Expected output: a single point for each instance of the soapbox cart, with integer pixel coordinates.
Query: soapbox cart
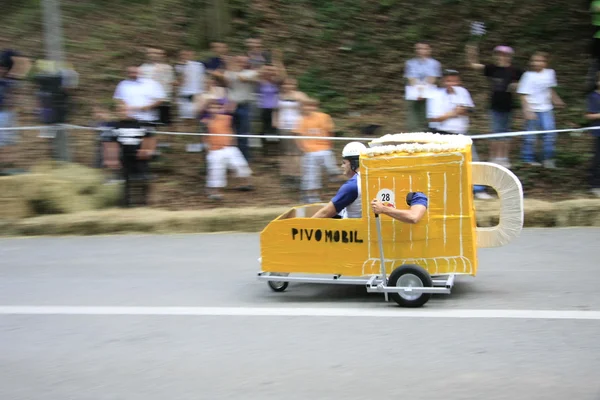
(407, 262)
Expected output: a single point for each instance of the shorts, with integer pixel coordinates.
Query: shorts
(311, 166)
(9, 136)
(219, 161)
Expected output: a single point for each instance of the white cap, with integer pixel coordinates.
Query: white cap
(353, 149)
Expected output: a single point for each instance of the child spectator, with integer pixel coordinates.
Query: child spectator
(222, 151)
(137, 144)
(317, 152)
(538, 96)
(593, 114)
(503, 77)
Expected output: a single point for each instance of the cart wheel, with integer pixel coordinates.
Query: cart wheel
(278, 286)
(410, 276)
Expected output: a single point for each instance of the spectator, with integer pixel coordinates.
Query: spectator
(190, 82)
(241, 81)
(268, 90)
(130, 148)
(422, 73)
(317, 152)
(504, 78)
(13, 67)
(222, 152)
(593, 114)
(536, 88)
(216, 62)
(141, 97)
(157, 69)
(449, 107)
(257, 57)
(286, 119)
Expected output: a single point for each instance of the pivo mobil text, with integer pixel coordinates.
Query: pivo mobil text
(326, 236)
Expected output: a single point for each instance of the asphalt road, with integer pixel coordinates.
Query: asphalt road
(159, 357)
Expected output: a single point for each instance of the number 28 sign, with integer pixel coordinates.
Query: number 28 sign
(386, 196)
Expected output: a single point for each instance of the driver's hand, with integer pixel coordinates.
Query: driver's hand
(377, 206)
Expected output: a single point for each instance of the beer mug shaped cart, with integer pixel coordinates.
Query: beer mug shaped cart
(408, 262)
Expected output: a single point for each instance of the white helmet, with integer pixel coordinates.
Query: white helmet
(353, 149)
(352, 153)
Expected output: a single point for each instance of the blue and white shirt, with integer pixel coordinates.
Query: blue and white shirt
(347, 201)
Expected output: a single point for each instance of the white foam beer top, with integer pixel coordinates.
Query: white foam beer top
(417, 142)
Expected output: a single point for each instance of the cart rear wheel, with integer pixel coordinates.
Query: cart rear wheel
(278, 286)
(410, 276)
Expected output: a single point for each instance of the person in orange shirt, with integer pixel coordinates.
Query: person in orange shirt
(317, 152)
(222, 152)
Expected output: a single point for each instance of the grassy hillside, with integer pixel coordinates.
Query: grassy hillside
(348, 53)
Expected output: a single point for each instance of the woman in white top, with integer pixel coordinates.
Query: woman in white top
(538, 97)
(286, 118)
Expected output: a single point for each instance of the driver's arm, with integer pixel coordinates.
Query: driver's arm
(411, 216)
(345, 196)
(328, 211)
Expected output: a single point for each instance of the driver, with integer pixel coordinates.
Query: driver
(347, 201)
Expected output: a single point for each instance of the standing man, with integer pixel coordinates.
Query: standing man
(449, 108)
(347, 202)
(504, 78)
(130, 146)
(242, 82)
(159, 71)
(140, 97)
(422, 73)
(191, 84)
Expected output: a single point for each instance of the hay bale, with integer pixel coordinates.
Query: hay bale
(108, 195)
(579, 212)
(53, 196)
(86, 180)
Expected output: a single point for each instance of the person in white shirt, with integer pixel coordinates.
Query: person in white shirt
(140, 96)
(191, 83)
(422, 73)
(157, 69)
(449, 109)
(538, 97)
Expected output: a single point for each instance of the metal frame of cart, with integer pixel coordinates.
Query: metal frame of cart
(412, 284)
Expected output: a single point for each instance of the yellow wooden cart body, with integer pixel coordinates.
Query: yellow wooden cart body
(444, 242)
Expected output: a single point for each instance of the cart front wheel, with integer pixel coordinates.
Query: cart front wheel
(410, 276)
(278, 286)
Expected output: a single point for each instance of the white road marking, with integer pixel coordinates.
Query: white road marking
(395, 312)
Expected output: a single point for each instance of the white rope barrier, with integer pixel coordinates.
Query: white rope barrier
(473, 136)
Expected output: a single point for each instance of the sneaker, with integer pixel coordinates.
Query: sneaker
(483, 196)
(550, 164)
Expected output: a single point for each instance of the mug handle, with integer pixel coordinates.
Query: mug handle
(510, 191)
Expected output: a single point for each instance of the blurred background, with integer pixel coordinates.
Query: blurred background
(64, 59)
